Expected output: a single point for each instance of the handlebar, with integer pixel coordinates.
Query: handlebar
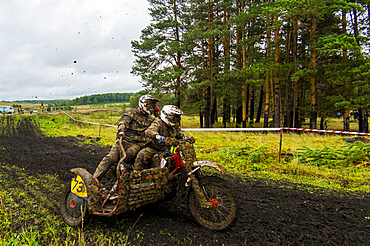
(173, 141)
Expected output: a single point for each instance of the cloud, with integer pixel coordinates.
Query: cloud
(64, 49)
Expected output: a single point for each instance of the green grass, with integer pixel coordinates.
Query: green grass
(253, 154)
(257, 155)
(29, 214)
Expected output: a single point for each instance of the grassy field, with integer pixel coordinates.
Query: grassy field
(320, 159)
(324, 161)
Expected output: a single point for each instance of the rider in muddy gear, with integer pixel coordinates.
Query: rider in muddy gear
(131, 127)
(167, 126)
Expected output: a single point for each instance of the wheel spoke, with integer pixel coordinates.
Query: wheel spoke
(224, 204)
(223, 211)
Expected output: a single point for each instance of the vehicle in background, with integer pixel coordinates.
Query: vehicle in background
(8, 109)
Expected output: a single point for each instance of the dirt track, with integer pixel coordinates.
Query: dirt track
(268, 213)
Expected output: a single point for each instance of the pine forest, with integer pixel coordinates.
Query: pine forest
(281, 62)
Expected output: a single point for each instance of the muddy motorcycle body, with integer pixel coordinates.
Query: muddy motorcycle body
(210, 201)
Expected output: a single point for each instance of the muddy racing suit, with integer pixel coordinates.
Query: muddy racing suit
(158, 127)
(133, 123)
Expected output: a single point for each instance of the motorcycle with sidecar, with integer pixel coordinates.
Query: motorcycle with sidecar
(180, 174)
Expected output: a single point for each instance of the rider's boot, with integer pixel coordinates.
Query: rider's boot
(139, 165)
(123, 168)
(110, 173)
(103, 167)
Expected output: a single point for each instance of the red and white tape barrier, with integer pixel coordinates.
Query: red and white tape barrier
(230, 129)
(326, 131)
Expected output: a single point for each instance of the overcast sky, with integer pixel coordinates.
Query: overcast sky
(63, 49)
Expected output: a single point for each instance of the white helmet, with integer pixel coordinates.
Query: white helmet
(171, 114)
(147, 103)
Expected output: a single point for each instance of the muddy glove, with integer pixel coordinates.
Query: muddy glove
(189, 139)
(161, 139)
(156, 111)
(120, 134)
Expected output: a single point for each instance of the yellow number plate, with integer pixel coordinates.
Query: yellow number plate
(78, 187)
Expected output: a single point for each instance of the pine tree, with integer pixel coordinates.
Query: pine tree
(159, 53)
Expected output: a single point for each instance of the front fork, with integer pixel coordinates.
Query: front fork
(200, 193)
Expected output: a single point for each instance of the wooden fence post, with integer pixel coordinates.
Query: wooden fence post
(281, 140)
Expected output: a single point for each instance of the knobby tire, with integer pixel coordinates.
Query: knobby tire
(68, 217)
(223, 214)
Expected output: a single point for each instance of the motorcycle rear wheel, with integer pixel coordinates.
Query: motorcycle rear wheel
(223, 213)
(73, 208)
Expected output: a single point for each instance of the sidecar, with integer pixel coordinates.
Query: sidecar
(84, 196)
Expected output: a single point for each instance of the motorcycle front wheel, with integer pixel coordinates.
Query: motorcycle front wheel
(222, 213)
(72, 207)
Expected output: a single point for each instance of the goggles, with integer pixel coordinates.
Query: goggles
(176, 118)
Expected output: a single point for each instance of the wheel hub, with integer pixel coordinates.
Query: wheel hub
(214, 203)
(74, 204)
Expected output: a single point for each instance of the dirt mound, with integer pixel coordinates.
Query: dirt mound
(19, 126)
(23, 144)
(269, 213)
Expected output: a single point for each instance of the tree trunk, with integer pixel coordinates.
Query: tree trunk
(355, 25)
(214, 118)
(239, 115)
(226, 96)
(238, 65)
(346, 83)
(209, 72)
(226, 110)
(201, 117)
(207, 109)
(363, 116)
(244, 86)
(365, 122)
(251, 106)
(178, 60)
(288, 114)
(268, 54)
(206, 92)
(277, 95)
(360, 120)
(313, 76)
(260, 103)
(295, 82)
(323, 120)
